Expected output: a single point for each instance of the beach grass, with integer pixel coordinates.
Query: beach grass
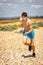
(10, 25)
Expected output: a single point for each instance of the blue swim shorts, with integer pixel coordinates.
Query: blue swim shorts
(30, 35)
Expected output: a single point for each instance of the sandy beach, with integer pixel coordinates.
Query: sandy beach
(13, 52)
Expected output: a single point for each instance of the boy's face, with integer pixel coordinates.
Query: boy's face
(24, 18)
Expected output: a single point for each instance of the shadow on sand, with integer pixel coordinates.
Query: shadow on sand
(26, 56)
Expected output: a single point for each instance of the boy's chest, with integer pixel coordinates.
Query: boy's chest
(25, 24)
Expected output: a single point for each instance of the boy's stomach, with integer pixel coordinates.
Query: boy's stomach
(26, 29)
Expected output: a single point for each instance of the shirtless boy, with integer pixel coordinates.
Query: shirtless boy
(28, 32)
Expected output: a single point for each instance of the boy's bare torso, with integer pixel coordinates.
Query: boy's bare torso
(26, 24)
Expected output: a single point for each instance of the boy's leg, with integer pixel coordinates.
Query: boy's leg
(25, 41)
(33, 47)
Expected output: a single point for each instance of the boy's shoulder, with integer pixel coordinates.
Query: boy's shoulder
(29, 21)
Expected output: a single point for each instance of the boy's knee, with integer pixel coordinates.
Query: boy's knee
(32, 44)
(24, 43)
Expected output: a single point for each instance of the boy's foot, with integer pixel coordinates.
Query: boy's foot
(34, 55)
(30, 48)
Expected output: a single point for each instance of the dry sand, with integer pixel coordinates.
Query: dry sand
(13, 52)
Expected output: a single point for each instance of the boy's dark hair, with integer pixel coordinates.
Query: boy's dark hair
(24, 14)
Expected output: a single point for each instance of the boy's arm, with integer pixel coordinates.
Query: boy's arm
(30, 27)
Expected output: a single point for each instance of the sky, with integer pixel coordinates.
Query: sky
(12, 8)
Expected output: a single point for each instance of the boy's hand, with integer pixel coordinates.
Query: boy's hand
(26, 32)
